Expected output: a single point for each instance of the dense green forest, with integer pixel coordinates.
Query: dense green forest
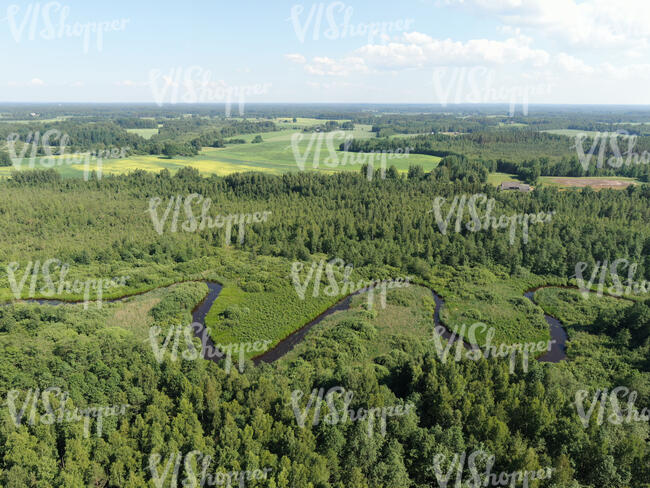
(363, 222)
(243, 416)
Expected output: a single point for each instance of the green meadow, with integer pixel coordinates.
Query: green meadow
(274, 155)
(570, 132)
(145, 133)
(407, 317)
(494, 298)
(497, 178)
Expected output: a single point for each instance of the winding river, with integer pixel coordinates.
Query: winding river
(556, 354)
(558, 334)
(210, 352)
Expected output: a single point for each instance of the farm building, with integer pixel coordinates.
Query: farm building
(513, 185)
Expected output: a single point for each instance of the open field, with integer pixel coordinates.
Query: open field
(570, 132)
(35, 119)
(232, 160)
(497, 178)
(145, 133)
(512, 124)
(302, 121)
(574, 132)
(596, 182)
(275, 155)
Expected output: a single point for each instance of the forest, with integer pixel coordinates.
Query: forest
(241, 418)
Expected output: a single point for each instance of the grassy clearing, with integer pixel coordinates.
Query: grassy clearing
(262, 303)
(408, 317)
(247, 316)
(512, 124)
(596, 182)
(571, 132)
(36, 119)
(572, 309)
(145, 133)
(408, 313)
(496, 299)
(497, 178)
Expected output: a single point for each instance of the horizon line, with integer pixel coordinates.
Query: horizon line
(437, 104)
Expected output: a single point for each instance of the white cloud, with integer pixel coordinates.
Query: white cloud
(31, 83)
(416, 50)
(131, 83)
(626, 72)
(513, 61)
(589, 24)
(296, 58)
(328, 86)
(493, 5)
(324, 66)
(573, 65)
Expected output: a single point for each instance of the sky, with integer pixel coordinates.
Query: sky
(408, 51)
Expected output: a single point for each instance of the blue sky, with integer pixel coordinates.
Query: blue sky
(430, 51)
